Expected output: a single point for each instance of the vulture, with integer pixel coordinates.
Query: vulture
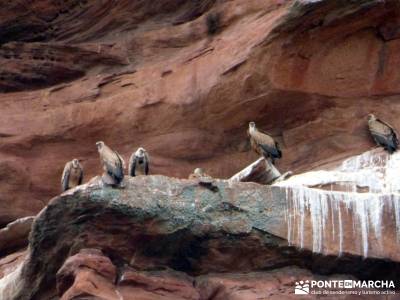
(384, 135)
(112, 162)
(203, 179)
(72, 175)
(198, 173)
(263, 143)
(139, 163)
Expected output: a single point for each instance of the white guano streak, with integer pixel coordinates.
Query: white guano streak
(329, 213)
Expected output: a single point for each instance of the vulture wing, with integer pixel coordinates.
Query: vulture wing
(113, 163)
(80, 176)
(389, 127)
(267, 144)
(384, 135)
(121, 159)
(380, 128)
(146, 163)
(132, 165)
(65, 177)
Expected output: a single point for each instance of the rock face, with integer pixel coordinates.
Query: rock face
(182, 79)
(15, 235)
(356, 204)
(165, 238)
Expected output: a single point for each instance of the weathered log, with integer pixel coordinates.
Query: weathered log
(261, 171)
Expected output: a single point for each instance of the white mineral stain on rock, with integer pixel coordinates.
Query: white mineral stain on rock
(362, 211)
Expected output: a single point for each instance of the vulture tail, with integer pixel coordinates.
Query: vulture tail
(392, 144)
(273, 152)
(118, 178)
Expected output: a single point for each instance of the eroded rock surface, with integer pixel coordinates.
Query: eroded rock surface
(15, 235)
(356, 204)
(157, 235)
(159, 74)
(138, 73)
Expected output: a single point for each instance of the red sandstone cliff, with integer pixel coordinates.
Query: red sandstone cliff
(140, 73)
(183, 79)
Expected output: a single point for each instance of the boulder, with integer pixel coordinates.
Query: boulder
(88, 236)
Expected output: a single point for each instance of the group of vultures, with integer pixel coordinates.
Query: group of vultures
(261, 142)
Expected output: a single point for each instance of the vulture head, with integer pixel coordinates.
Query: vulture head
(75, 163)
(100, 145)
(371, 117)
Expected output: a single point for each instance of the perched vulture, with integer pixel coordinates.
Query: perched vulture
(383, 134)
(263, 144)
(113, 164)
(72, 175)
(198, 173)
(203, 179)
(139, 163)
